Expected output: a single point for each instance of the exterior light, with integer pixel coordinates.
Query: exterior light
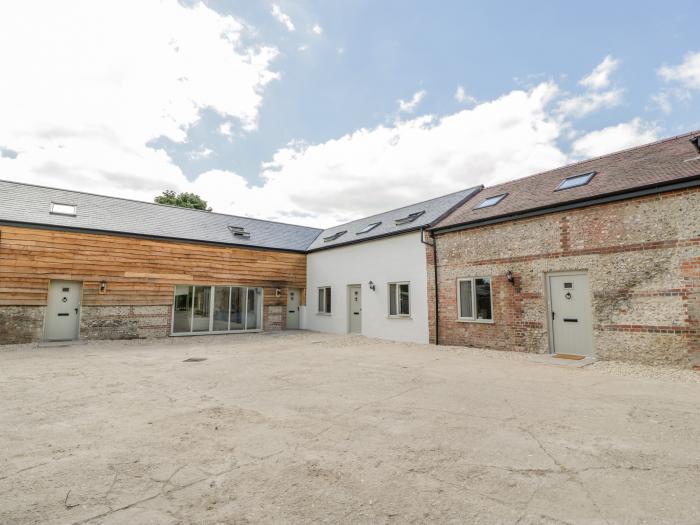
(371, 286)
(103, 286)
(509, 276)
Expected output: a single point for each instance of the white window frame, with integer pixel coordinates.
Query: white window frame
(327, 308)
(60, 208)
(398, 300)
(472, 280)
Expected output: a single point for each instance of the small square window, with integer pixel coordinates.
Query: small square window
(399, 300)
(64, 209)
(474, 299)
(368, 228)
(491, 201)
(575, 181)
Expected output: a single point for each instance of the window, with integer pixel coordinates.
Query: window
(324, 300)
(491, 201)
(334, 236)
(216, 309)
(399, 300)
(474, 299)
(368, 228)
(239, 231)
(575, 181)
(409, 218)
(64, 209)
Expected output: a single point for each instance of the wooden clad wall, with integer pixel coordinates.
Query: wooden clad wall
(138, 271)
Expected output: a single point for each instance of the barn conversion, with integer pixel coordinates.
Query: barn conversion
(597, 258)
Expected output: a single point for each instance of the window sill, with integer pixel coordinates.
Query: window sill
(477, 321)
(324, 314)
(399, 317)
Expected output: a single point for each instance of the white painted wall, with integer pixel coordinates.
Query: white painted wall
(393, 259)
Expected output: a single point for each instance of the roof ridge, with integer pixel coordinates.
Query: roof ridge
(157, 204)
(591, 159)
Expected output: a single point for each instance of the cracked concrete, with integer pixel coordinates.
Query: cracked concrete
(302, 427)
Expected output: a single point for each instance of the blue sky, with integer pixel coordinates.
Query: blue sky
(311, 129)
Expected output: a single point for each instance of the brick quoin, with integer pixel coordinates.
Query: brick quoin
(642, 257)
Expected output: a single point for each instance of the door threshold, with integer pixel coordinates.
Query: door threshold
(575, 361)
(573, 357)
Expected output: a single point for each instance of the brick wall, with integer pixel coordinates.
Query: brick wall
(21, 324)
(642, 257)
(124, 322)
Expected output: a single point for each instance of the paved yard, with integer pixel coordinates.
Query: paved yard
(302, 427)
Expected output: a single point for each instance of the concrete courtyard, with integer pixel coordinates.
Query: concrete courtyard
(305, 427)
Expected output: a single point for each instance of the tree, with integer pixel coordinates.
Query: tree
(183, 200)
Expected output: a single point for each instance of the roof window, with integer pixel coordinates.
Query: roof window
(409, 218)
(369, 227)
(696, 142)
(575, 181)
(70, 210)
(239, 231)
(334, 236)
(491, 201)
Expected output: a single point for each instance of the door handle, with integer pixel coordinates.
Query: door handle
(552, 316)
(76, 311)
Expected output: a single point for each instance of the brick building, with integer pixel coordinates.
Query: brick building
(597, 258)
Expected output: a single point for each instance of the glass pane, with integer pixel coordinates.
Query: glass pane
(328, 300)
(392, 299)
(221, 296)
(253, 311)
(404, 307)
(321, 296)
(201, 307)
(483, 298)
(465, 299)
(237, 308)
(182, 316)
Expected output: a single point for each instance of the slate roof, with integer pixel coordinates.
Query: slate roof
(29, 204)
(664, 162)
(434, 210)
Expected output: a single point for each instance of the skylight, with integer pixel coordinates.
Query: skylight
(369, 227)
(239, 231)
(491, 201)
(409, 218)
(575, 181)
(334, 236)
(64, 209)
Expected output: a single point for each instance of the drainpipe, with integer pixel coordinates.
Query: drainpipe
(435, 275)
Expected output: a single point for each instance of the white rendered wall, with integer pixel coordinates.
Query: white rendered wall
(393, 259)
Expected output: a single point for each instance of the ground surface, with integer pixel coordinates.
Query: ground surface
(303, 427)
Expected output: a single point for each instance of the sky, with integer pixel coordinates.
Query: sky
(318, 112)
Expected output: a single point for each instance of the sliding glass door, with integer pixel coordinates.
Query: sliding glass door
(216, 309)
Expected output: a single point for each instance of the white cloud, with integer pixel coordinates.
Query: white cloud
(376, 169)
(662, 101)
(582, 105)
(614, 138)
(226, 129)
(201, 153)
(599, 78)
(282, 17)
(461, 96)
(85, 99)
(409, 106)
(687, 73)
(317, 29)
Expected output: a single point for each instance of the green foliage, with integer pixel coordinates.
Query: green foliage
(184, 200)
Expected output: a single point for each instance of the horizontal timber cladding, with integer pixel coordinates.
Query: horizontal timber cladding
(139, 273)
(642, 258)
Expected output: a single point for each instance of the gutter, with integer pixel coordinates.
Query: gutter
(689, 182)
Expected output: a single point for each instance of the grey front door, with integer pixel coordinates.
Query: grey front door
(293, 308)
(570, 313)
(63, 311)
(355, 310)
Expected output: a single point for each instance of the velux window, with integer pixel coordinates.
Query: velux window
(334, 236)
(575, 181)
(474, 299)
(491, 201)
(369, 228)
(324, 300)
(64, 209)
(399, 300)
(409, 218)
(239, 231)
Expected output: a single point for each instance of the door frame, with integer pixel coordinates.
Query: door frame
(348, 303)
(80, 308)
(548, 313)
